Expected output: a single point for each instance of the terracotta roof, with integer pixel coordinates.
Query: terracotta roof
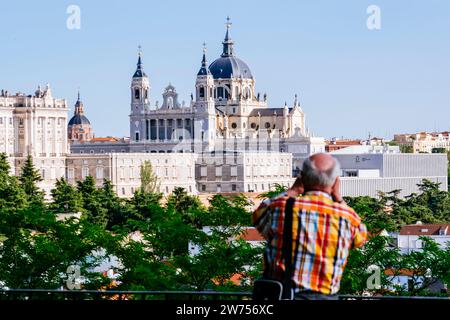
(402, 272)
(112, 139)
(251, 234)
(425, 229)
(344, 142)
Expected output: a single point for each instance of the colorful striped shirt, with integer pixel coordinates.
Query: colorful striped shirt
(323, 232)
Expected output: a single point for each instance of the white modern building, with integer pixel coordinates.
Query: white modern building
(365, 174)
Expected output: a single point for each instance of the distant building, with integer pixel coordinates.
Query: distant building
(35, 125)
(364, 174)
(79, 128)
(424, 142)
(243, 171)
(123, 170)
(360, 149)
(409, 236)
(337, 144)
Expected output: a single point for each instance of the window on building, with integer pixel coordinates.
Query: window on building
(219, 188)
(350, 173)
(137, 136)
(203, 187)
(99, 173)
(71, 173)
(123, 191)
(220, 93)
(84, 172)
(233, 187)
(136, 94)
(201, 92)
(234, 125)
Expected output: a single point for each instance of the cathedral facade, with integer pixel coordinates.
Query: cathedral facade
(226, 114)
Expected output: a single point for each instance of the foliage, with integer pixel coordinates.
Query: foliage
(182, 244)
(66, 198)
(29, 178)
(275, 190)
(93, 209)
(149, 180)
(12, 196)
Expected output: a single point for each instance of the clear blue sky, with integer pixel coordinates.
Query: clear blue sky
(350, 80)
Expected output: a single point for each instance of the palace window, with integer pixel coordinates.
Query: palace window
(201, 92)
(136, 93)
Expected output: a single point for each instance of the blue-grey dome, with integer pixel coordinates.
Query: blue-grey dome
(227, 67)
(78, 119)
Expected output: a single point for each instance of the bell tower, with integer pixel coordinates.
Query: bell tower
(205, 114)
(140, 100)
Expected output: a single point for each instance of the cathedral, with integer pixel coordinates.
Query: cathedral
(225, 114)
(225, 119)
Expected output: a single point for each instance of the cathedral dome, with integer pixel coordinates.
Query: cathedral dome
(227, 67)
(78, 119)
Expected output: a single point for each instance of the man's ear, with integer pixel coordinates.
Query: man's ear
(336, 184)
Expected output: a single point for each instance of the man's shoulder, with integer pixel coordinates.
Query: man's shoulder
(347, 212)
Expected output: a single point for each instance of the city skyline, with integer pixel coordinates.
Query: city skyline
(369, 81)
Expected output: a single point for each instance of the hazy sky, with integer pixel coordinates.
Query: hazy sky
(350, 80)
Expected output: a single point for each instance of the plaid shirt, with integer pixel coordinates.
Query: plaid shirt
(323, 233)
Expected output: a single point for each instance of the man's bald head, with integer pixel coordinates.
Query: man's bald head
(320, 171)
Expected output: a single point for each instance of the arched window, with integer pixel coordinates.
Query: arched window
(137, 136)
(201, 92)
(220, 93)
(146, 94)
(136, 93)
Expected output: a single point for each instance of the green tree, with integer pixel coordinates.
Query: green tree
(375, 252)
(149, 180)
(187, 205)
(66, 198)
(406, 149)
(29, 178)
(12, 196)
(94, 211)
(37, 250)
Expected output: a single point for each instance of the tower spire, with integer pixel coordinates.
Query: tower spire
(204, 69)
(139, 69)
(79, 108)
(227, 42)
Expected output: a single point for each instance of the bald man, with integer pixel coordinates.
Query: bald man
(324, 230)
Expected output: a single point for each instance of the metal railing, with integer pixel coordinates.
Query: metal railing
(45, 294)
